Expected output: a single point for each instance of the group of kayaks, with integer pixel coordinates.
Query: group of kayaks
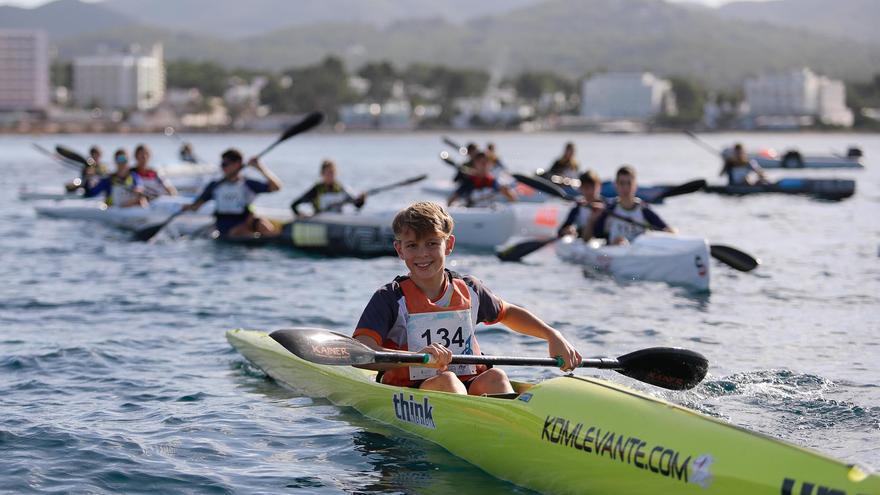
(563, 435)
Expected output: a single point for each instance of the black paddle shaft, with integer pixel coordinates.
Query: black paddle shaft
(667, 367)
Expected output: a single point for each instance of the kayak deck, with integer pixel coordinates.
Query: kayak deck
(571, 435)
(655, 256)
(827, 189)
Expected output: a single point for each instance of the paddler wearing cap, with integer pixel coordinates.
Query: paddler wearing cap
(233, 195)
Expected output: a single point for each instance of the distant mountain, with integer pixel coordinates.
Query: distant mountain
(569, 36)
(225, 18)
(853, 19)
(63, 18)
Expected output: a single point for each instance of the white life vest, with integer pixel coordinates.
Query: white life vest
(331, 201)
(616, 227)
(233, 198)
(121, 191)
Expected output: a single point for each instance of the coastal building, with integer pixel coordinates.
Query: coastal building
(635, 96)
(498, 106)
(797, 98)
(130, 81)
(24, 70)
(391, 115)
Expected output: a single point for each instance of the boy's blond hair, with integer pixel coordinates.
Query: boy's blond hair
(424, 218)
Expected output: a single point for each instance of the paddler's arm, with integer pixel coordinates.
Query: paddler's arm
(169, 187)
(441, 356)
(274, 182)
(522, 321)
(509, 194)
(308, 197)
(596, 222)
(655, 221)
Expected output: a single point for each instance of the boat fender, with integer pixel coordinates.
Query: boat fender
(792, 159)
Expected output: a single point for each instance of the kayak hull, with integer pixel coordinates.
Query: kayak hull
(807, 161)
(526, 194)
(571, 435)
(827, 189)
(655, 256)
(331, 234)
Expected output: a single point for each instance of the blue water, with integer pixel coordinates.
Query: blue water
(116, 376)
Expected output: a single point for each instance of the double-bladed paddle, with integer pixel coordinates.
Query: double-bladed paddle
(462, 150)
(310, 121)
(66, 162)
(667, 367)
(730, 256)
(73, 156)
(379, 189)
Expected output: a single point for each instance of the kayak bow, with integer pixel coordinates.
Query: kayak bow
(572, 434)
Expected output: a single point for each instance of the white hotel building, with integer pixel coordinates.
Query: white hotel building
(130, 81)
(637, 96)
(800, 95)
(24, 70)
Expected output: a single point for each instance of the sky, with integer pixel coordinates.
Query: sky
(34, 3)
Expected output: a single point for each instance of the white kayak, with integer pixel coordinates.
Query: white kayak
(186, 169)
(187, 185)
(135, 218)
(524, 193)
(655, 256)
(488, 227)
(132, 218)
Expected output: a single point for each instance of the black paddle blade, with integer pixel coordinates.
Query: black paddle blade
(734, 258)
(147, 233)
(72, 155)
(517, 252)
(311, 120)
(541, 184)
(667, 367)
(686, 188)
(324, 347)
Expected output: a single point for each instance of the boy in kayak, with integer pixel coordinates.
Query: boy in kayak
(432, 310)
(741, 170)
(590, 206)
(233, 195)
(91, 174)
(123, 189)
(566, 165)
(625, 217)
(328, 194)
(480, 187)
(154, 184)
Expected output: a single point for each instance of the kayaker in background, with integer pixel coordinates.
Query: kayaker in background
(328, 194)
(435, 311)
(494, 159)
(740, 169)
(186, 153)
(566, 165)
(123, 189)
(154, 184)
(591, 205)
(233, 195)
(480, 187)
(91, 174)
(625, 217)
(467, 167)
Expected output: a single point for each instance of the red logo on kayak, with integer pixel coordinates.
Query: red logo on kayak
(701, 265)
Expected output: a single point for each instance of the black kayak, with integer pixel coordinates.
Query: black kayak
(828, 189)
(331, 234)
